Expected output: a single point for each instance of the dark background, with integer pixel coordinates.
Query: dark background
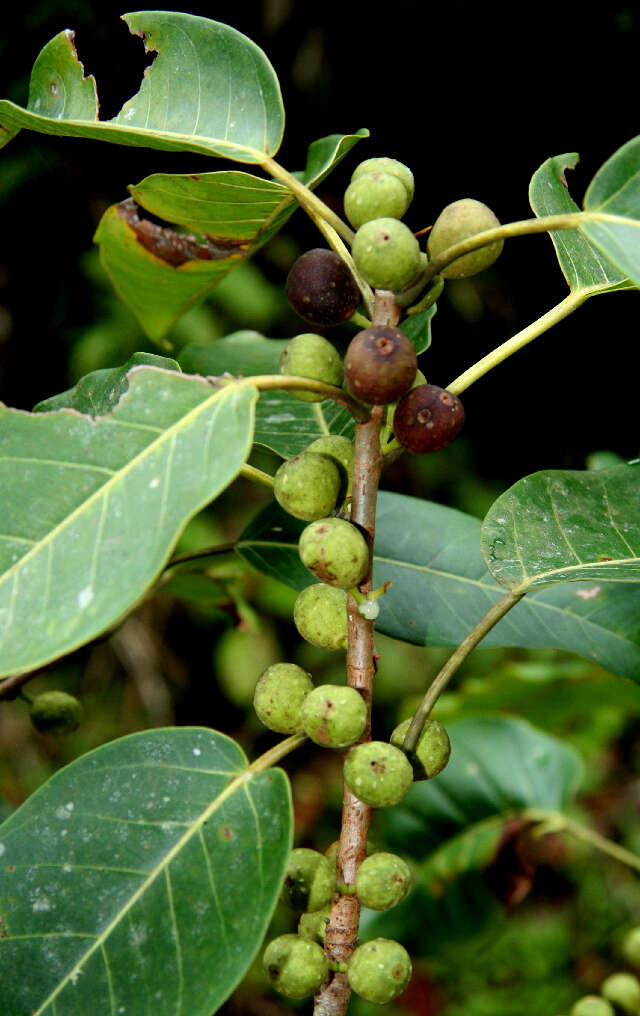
(474, 97)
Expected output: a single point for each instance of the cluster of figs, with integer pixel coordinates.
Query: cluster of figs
(380, 368)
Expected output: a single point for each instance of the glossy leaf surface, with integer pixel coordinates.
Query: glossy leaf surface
(562, 525)
(283, 423)
(418, 328)
(209, 90)
(584, 267)
(613, 196)
(441, 587)
(92, 506)
(141, 878)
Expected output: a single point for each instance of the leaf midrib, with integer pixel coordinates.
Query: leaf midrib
(101, 938)
(208, 145)
(164, 435)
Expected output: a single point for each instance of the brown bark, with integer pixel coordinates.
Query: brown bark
(342, 930)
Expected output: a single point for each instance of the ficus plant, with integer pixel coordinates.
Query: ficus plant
(144, 875)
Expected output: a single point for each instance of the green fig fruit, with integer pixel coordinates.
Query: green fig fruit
(386, 254)
(592, 1005)
(379, 970)
(295, 966)
(279, 694)
(378, 773)
(309, 881)
(623, 990)
(55, 712)
(320, 615)
(432, 751)
(383, 880)
(456, 222)
(307, 486)
(383, 164)
(631, 947)
(311, 356)
(335, 551)
(334, 716)
(373, 196)
(340, 450)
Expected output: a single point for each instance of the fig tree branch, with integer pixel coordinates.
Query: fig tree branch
(524, 227)
(342, 930)
(307, 199)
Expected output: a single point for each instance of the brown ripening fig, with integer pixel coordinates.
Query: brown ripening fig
(380, 365)
(427, 419)
(321, 289)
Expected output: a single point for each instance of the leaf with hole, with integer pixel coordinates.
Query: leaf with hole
(142, 877)
(209, 90)
(92, 506)
(565, 525)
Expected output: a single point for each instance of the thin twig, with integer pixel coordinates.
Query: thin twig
(524, 227)
(516, 342)
(267, 382)
(10, 686)
(441, 680)
(342, 930)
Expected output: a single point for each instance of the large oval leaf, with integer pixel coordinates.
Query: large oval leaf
(283, 423)
(441, 587)
(583, 265)
(141, 878)
(209, 90)
(92, 507)
(562, 525)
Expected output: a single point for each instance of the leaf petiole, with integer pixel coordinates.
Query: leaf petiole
(516, 342)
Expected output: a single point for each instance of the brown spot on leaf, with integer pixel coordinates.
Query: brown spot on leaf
(226, 833)
(176, 248)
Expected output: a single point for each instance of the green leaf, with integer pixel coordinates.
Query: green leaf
(229, 204)
(582, 264)
(92, 507)
(471, 850)
(324, 155)
(161, 272)
(141, 878)
(614, 192)
(209, 90)
(565, 525)
(161, 281)
(100, 391)
(418, 328)
(499, 766)
(441, 587)
(283, 423)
